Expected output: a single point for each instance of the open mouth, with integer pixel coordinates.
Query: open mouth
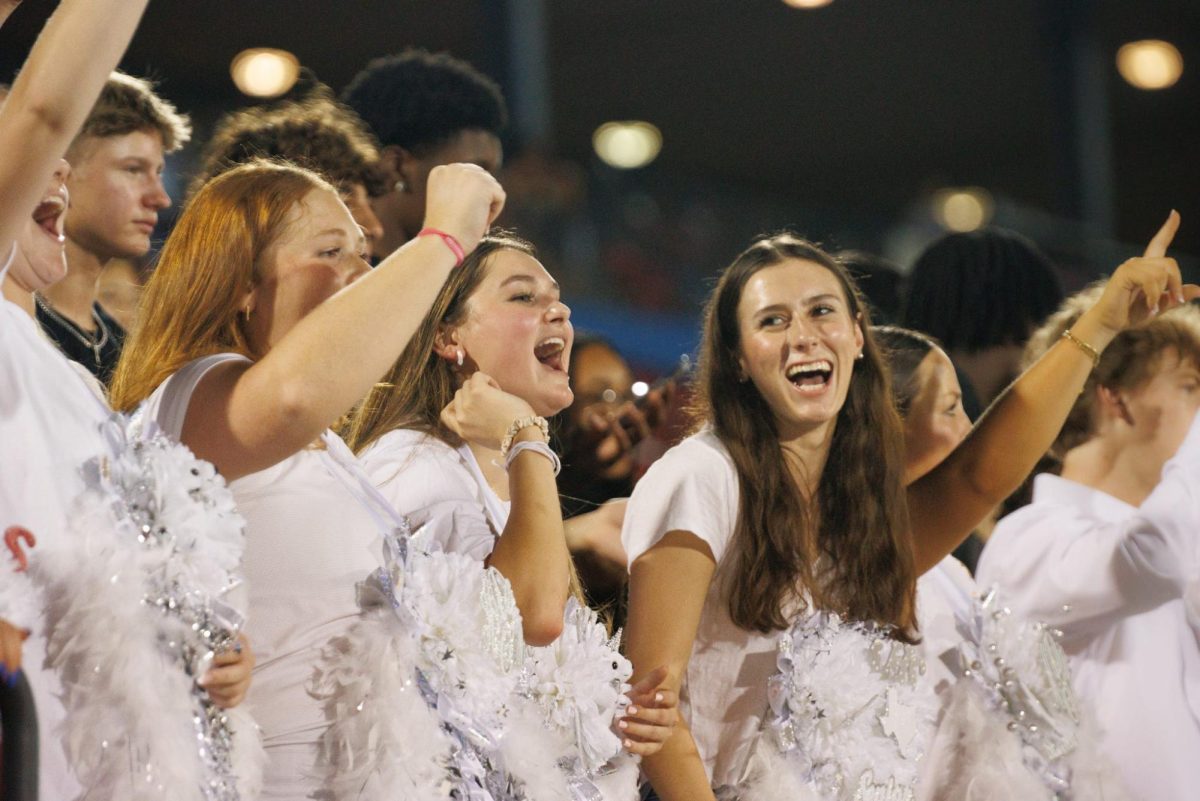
(812, 377)
(550, 352)
(50, 215)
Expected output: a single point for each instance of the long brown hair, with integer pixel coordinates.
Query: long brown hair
(846, 550)
(190, 307)
(421, 383)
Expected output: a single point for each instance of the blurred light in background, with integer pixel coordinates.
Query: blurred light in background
(639, 389)
(1150, 64)
(627, 145)
(807, 3)
(962, 210)
(264, 71)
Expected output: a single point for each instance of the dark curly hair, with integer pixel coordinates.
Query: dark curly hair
(316, 132)
(418, 100)
(981, 289)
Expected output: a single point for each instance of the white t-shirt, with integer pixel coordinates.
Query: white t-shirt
(308, 543)
(694, 487)
(49, 426)
(1114, 578)
(423, 477)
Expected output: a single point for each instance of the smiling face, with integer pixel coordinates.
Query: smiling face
(319, 253)
(41, 258)
(799, 339)
(116, 194)
(936, 422)
(518, 331)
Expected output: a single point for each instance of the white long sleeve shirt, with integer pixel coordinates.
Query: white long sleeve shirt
(1119, 581)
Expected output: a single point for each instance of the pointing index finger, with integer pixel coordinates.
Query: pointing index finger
(1162, 240)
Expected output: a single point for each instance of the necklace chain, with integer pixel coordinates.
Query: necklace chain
(93, 342)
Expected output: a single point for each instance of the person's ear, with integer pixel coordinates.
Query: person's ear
(247, 303)
(402, 168)
(446, 345)
(1111, 403)
(390, 168)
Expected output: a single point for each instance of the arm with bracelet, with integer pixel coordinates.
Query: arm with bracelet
(504, 434)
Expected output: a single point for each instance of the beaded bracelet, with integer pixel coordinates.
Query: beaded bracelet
(1083, 346)
(537, 447)
(519, 424)
(449, 239)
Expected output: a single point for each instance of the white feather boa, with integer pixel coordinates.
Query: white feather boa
(433, 693)
(851, 716)
(133, 615)
(18, 597)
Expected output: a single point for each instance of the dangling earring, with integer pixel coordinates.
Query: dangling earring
(460, 358)
(400, 186)
(246, 314)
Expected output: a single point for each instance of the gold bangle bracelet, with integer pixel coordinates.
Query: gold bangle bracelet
(1083, 346)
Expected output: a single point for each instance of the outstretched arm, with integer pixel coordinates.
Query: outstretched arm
(1024, 421)
(59, 83)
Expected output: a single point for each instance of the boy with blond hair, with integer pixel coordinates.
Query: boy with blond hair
(117, 192)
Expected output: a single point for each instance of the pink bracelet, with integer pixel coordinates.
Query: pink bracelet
(451, 242)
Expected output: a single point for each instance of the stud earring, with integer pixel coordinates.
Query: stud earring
(859, 356)
(460, 358)
(400, 186)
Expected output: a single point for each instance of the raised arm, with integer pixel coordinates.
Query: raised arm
(59, 83)
(532, 550)
(247, 417)
(1022, 424)
(667, 588)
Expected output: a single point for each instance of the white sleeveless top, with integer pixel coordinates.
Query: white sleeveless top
(308, 542)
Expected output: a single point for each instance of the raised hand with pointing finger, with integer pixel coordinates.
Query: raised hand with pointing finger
(1140, 288)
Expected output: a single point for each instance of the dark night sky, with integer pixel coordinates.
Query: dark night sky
(858, 106)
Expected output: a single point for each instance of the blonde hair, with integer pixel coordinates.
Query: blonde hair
(190, 306)
(1129, 361)
(127, 104)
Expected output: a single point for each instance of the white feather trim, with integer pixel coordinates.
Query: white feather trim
(619, 779)
(18, 597)
(249, 756)
(133, 616)
(770, 776)
(975, 757)
(385, 743)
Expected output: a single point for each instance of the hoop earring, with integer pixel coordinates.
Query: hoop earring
(460, 358)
